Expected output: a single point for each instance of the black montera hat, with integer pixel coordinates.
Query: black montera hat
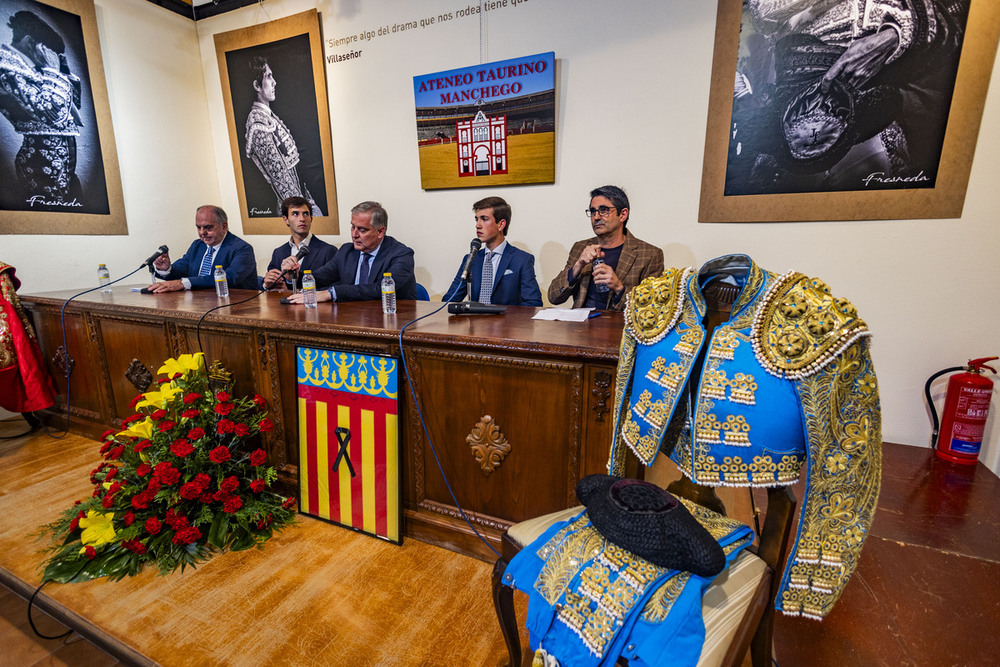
(646, 520)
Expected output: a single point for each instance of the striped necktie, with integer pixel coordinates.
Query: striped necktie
(486, 287)
(366, 260)
(206, 264)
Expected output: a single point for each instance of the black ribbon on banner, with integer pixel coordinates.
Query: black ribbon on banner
(343, 438)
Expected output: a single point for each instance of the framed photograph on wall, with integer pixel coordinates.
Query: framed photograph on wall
(58, 161)
(819, 111)
(278, 116)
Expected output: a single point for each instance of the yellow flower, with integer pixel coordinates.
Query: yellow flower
(143, 429)
(182, 364)
(97, 528)
(159, 399)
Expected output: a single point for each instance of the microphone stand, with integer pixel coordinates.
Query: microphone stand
(470, 307)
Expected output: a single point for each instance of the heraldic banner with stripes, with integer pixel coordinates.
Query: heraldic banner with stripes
(349, 458)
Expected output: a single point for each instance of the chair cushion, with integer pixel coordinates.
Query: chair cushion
(723, 606)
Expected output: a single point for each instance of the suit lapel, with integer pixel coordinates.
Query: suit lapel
(505, 260)
(626, 259)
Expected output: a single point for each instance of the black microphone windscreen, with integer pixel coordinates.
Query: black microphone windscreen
(475, 245)
(303, 251)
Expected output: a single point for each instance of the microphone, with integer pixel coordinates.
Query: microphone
(162, 250)
(303, 251)
(473, 249)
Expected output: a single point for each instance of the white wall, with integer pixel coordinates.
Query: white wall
(632, 95)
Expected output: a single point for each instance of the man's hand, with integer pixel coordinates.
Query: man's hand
(289, 264)
(586, 257)
(605, 275)
(166, 286)
(273, 276)
(862, 60)
(162, 263)
(321, 296)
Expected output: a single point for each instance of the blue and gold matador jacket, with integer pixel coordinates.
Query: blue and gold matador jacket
(787, 382)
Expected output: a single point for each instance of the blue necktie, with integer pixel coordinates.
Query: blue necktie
(366, 260)
(206, 264)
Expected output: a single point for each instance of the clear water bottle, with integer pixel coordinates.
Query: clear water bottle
(308, 289)
(221, 284)
(388, 294)
(104, 278)
(600, 289)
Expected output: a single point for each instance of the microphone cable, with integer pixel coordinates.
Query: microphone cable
(423, 424)
(65, 346)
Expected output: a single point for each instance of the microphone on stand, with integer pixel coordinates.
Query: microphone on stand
(473, 249)
(162, 250)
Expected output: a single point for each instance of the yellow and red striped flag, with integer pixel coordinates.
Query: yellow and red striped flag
(348, 440)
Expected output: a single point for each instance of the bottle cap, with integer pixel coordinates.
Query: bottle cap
(218, 266)
(307, 271)
(387, 275)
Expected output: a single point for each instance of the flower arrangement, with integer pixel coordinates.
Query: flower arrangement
(177, 483)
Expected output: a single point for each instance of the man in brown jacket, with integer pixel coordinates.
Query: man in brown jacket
(624, 260)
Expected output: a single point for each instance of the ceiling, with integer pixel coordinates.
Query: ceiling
(199, 9)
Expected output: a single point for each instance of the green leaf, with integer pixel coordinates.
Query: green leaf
(217, 533)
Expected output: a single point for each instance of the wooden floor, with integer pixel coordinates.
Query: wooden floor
(926, 592)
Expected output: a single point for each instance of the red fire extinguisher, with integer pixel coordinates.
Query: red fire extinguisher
(966, 408)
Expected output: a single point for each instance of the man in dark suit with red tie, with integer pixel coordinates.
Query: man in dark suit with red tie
(215, 246)
(296, 212)
(355, 272)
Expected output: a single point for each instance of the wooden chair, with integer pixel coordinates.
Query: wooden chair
(738, 608)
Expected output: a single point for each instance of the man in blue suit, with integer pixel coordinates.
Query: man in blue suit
(297, 214)
(509, 277)
(215, 246)
(355, 272)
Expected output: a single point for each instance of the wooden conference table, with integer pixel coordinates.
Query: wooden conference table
(540, 390)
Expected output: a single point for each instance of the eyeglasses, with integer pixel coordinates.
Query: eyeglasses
(602, 211)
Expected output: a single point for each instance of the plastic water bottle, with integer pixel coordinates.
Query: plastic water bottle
(221, 284)
(104, 278)
(601, 289)
(308, 289)
(388, 294)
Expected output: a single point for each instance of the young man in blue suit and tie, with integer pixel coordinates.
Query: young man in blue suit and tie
(355, 272)
(215, 245)
(501, 273)
(296, 212)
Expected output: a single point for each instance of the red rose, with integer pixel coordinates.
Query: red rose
(97, 492)
(74, 524)
(128, 420)
(196, 433)
(112, 471)
(257, 485)
(135, 401)
(181, 447)
(222, 396)
(190, 491)
(220, 496)
(141, 445)
(166, 473)
(242, 429)
(153, 525)
(166, 425)
(258, 457)
(206, 498)
(104, 435)
(114, 488)
(158, 415)
(229, 484)
(141, 500)
(259, 401)
(225, 426)
(108, 501)
(187, 536)
(191, 414)
(129, 518)
(135, 546)
(91, 552)
(163, 381)
(232, 504)
(265, 425)
(176, 375)
(115, 453)
(107, 445)
(176, 521)
(143, 469)
(191, 397)
(154, 484)
(224, 408)
(288, 503)
(202, 480)
(219, 455)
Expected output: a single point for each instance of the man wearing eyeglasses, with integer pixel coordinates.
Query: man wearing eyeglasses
(624, 260)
